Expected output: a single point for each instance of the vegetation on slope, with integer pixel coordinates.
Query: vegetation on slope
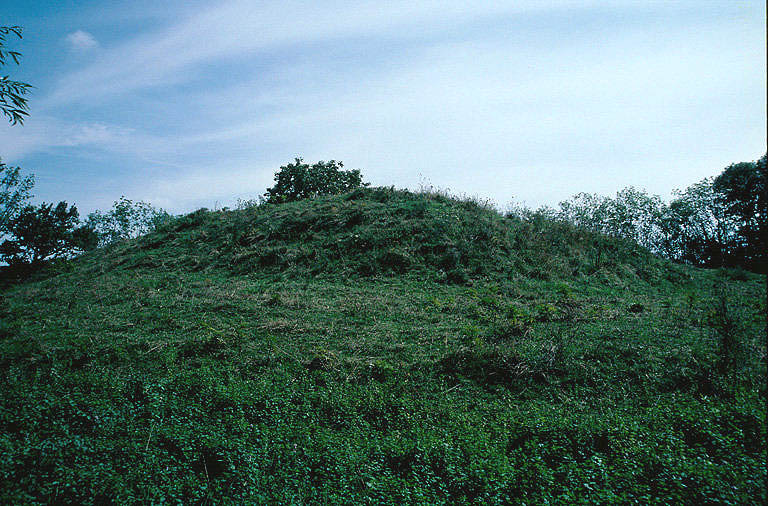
(383, 231)
(382, 347)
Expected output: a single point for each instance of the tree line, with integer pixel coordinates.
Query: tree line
(33, 234)
(720, 221)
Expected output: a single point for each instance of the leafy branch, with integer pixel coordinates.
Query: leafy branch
(13, 101)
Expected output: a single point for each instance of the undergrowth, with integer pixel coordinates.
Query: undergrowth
(381, 347)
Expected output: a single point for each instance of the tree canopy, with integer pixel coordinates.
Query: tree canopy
(126, 219)
(43, 232)
(741, 190)
(299, 180)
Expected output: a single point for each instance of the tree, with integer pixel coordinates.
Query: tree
(13, 102)
(741, 191)
(44, 232)
(14, 189)
(14, 192)
(696, 228)
(299, 180)
(633, 214)
(586, 210)
(125, 220)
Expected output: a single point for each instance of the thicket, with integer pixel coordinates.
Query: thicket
(718, 222)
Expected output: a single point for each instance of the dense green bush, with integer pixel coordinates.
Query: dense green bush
(299, 180)
(43, 232)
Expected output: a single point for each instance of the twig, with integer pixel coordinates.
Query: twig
(452, 388)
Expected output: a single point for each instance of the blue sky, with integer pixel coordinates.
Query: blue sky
(190, 104)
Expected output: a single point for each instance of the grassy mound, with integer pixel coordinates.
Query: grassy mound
(382, 231)
(381, 347)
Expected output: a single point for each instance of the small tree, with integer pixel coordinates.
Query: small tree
(741, 191)
(42, 233)
(125, 220)
(14, 192)
(698, 227)
(633, 214)
(299, 180)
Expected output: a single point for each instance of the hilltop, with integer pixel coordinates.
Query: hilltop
(382, 346)
(384, 232)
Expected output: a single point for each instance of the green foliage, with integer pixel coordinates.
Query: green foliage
(715, 222)
(152, 385)
(698, 230)
(42, 232)
(385, 232)
(84, 238)
(14, 192)
(13, 102)
(14, 189)
(742, 193)
(632, 214)
(313, 352)
(299, 180)
(127, 219)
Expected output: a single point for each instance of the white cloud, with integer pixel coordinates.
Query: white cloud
(42, 133)
(81, 40)
(238, 28)
(553, 98)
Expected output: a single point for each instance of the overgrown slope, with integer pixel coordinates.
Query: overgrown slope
(382, 231)
(382, 347)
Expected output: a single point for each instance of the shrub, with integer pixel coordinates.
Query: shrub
(299, 180)
(726, 322)
(44, 232)
(125, 220)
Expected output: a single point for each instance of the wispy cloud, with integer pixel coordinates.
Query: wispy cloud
(239, 28)
(43, 133)
(81, 40)
(528, 99)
